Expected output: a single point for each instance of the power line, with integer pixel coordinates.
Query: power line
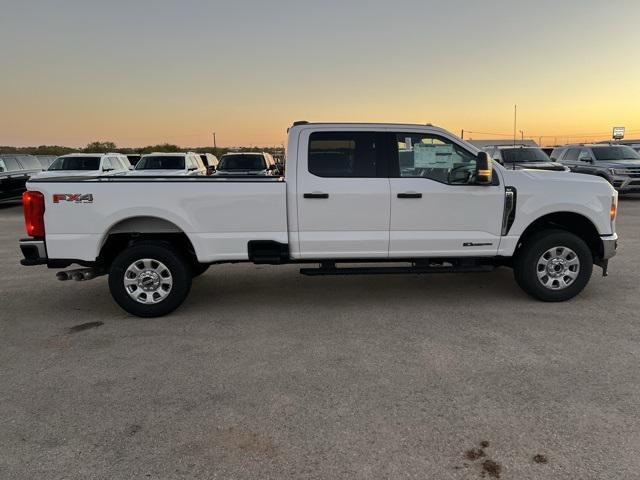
(569, 135)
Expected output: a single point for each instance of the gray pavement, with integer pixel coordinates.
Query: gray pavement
(266, 374)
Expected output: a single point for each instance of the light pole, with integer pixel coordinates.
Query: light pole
(515, 121)
(214, 140)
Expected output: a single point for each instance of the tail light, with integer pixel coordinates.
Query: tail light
(33, 206)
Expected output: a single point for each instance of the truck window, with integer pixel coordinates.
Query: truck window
(11, 164)
(342, 154)
(571, 154)
(430, 156)
(242, 161)
(3, 166)
(30, 163)
(75, 163)
(161, 162)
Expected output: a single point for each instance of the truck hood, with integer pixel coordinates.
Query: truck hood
(538, 166)
(547, 180)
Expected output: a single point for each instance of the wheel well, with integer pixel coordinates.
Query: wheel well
(572, 222)
(132, 230)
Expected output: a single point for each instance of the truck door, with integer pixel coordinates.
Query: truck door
(342, 195)
(436, 210)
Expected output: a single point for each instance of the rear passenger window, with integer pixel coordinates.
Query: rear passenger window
(572, 154)
(342, 154)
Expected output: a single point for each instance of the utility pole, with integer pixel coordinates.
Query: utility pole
(214, 141)
(515, 121)
(521, 136)
(462, 134)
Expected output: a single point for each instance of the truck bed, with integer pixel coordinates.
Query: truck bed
(218, 215)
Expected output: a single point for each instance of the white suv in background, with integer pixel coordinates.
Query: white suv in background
(87, 165)
(170, 164)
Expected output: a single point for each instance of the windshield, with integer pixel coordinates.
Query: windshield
(617, 152)
(242, 162)
(161, 162)
(75, 163)
(523, 155)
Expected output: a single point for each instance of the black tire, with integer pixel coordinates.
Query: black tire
(198, 269)
(525, 265)
(178, 267)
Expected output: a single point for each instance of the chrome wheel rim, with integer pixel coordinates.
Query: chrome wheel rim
(558, 268)
(148, 281)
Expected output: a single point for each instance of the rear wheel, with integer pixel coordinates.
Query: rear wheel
(553, 265)
(149, 279)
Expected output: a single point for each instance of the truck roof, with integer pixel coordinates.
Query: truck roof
(364, 124)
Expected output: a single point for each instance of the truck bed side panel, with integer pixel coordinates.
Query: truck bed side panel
(218, 217)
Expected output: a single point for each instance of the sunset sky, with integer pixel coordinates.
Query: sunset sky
(146, 72)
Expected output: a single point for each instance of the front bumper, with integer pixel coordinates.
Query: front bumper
(609, 246)
(34, 251)
(626, 184)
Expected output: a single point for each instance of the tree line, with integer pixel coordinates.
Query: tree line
(103, 147)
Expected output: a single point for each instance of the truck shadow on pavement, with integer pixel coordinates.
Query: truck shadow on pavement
(274, 289)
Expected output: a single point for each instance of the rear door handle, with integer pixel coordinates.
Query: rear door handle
(316, 195)
(410, 195)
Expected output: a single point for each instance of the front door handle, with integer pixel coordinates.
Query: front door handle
(410, 195)
(316, 195)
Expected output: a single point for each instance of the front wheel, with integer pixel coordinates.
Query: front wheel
(553, 265)
(149, 279)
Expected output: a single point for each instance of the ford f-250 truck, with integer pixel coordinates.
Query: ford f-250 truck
(386, 198)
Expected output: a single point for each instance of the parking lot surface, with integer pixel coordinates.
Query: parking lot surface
(264, 373)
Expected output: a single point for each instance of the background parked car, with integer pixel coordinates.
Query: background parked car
(87, 164)
(619, 164)
(15, 171)
(210, 162)
(170, 164)
(45, 160)
(261, 163)
(547, 150)
(133, 158)
(523, 157)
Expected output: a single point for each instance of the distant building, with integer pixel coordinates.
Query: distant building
(505, 142)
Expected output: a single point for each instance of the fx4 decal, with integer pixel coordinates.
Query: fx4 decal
(73, 197)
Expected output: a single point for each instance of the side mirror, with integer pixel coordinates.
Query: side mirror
(484, 169)
(272, 167)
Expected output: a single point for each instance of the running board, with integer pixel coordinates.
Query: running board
(396, 270)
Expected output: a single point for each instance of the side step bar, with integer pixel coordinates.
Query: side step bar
(331, 269)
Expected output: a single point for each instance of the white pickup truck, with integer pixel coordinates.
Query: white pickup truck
(382, 198)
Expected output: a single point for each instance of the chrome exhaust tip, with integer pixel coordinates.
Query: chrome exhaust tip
(62, 276)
